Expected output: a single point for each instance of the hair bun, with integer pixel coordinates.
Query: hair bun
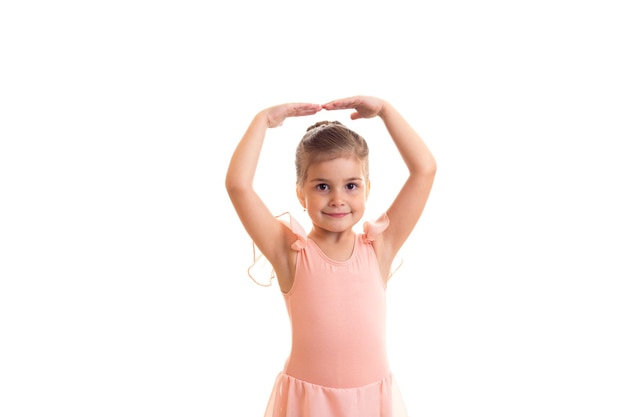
(323, 123)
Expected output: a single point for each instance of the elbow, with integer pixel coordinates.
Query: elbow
(235, 186)
(231, 183)
(426, 169)
(430, 165)
(429, 168)
(431, 171)
(232, 180)
(231, 186)
(228, 183)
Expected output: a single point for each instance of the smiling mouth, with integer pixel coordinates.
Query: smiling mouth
(337, 215)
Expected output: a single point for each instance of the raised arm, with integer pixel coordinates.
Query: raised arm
(408, 206)
(266, 232)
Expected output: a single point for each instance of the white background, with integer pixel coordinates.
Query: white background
(123, 285)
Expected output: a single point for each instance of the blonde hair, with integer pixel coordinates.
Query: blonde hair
(326, 140)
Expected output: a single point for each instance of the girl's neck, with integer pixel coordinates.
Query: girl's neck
(336, 245)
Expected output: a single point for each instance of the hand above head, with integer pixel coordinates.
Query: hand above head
(276, 115)
(365, 106)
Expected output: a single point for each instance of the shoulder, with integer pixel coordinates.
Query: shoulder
(296, 239)
(294, 230)
(373, 229)
(374, 234)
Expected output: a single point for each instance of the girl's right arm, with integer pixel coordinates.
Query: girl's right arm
(273, 239)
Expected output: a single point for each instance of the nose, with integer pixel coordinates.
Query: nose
(336, 199)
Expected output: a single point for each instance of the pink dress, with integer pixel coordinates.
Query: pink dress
(338, 362)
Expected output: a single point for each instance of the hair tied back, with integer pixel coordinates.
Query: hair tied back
(323, 123)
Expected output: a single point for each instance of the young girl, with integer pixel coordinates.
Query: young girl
(333, 279)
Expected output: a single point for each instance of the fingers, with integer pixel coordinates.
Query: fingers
(276, 115)
(303, 109)
(364, 107)
(341, 104)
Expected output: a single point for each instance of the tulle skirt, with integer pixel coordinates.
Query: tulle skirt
(292, 397)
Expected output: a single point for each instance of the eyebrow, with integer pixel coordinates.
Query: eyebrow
(353, 179)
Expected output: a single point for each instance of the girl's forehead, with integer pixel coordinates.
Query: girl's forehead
(336, 167)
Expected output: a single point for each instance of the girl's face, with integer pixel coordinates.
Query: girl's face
(334, 193)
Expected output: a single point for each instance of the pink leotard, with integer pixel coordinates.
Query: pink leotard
(338, 362)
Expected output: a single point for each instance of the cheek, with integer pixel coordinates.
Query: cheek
(360, 200)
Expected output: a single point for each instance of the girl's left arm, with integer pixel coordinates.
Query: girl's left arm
(409, 204)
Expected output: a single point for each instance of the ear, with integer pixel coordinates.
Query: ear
(300, 195)
(367, 189)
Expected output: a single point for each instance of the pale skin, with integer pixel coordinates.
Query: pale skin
(334, 192)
